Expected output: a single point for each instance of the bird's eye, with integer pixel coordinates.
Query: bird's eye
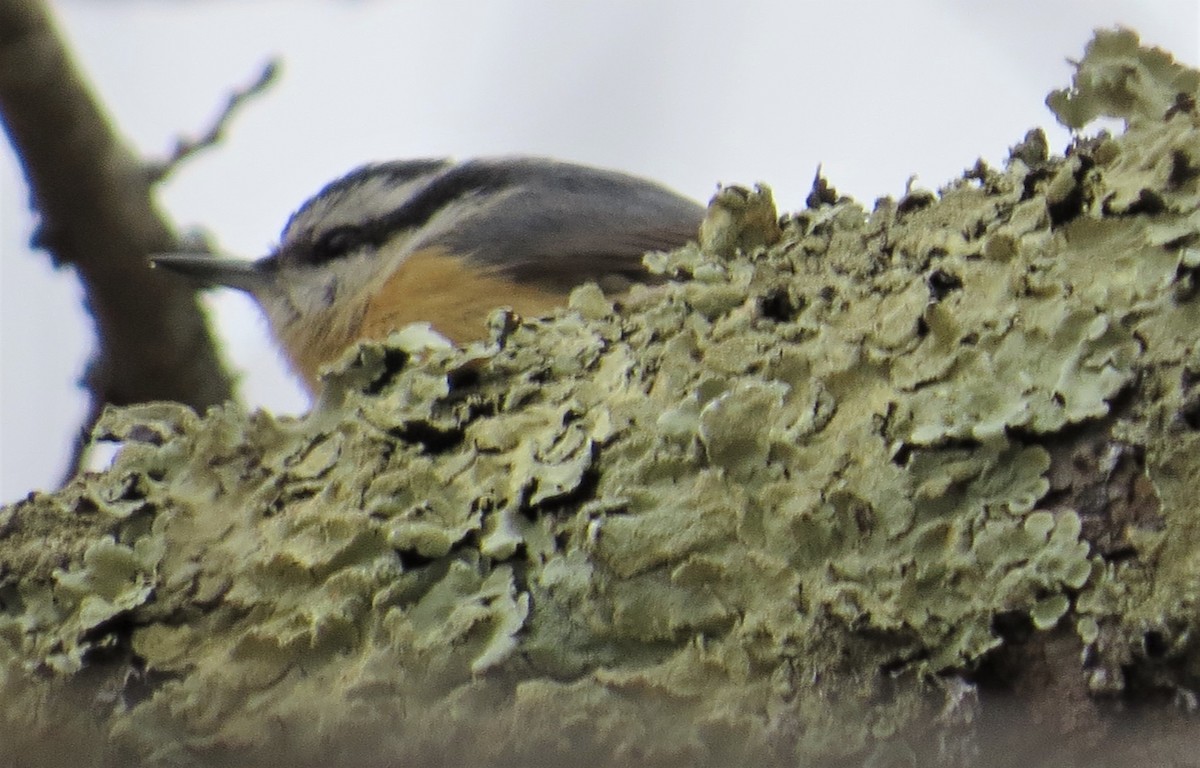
(338, 242)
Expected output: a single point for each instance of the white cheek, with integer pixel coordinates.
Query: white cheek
(316, 296)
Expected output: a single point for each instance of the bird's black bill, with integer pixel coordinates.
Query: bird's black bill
(206, 269)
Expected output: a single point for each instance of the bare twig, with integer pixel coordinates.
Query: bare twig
(185, 148)
(93, 199)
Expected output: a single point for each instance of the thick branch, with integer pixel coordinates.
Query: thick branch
(93, 197)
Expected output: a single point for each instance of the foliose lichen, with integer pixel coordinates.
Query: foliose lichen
(783, 507)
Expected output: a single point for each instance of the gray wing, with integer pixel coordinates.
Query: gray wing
(560, 225)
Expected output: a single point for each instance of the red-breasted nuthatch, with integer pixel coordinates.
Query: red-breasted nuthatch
(446, 243)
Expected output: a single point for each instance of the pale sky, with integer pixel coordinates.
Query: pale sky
(689, 92)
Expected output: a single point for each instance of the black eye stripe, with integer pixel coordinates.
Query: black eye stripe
(338, 242)
(305, 247)
(456, 183)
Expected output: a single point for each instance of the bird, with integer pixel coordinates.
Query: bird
(446, 243)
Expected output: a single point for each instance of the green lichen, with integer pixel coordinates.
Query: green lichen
(780, 508)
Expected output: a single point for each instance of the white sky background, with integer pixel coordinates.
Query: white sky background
(689, 92)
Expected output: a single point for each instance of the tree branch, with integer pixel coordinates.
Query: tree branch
(186, 148)
(93, 198)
